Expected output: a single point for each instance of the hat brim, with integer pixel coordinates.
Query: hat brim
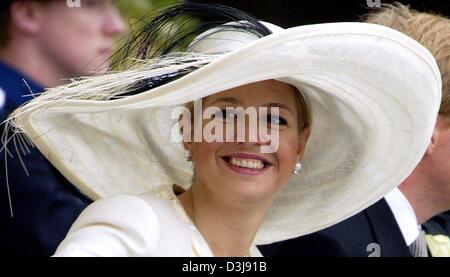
(374, 95)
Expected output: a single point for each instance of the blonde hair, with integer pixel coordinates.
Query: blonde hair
(431, 30)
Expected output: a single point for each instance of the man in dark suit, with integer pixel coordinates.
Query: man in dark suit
(371, 233)
(44, 43)
(392, 227)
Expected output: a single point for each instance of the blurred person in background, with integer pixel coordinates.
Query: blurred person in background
(44, 44)
(399, 224)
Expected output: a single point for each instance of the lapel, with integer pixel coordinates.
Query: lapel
(386, 231)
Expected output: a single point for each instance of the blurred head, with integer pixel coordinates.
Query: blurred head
(432, 31)
(238, 170)
(76, 41)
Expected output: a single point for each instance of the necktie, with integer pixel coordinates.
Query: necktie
(419, 247)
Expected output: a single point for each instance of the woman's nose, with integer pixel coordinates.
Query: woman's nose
(252, 131)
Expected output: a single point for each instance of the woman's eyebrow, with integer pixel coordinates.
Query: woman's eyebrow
(281, 106)
(225, 99)
(235, 101)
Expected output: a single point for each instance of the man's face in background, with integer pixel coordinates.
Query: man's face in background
(78, 39)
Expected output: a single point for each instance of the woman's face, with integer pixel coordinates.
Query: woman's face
(239, 170)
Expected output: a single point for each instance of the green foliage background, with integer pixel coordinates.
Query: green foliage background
(136, 8)
(131, 11)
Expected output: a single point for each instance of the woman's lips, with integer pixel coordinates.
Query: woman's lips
(247, 164)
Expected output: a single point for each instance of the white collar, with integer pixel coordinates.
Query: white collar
(200, 246)
(404, 215)
(2, 98)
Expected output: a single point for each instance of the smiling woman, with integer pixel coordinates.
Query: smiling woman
(237, 173)
(111, 135)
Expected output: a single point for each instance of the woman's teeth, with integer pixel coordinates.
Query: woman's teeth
(247, 163)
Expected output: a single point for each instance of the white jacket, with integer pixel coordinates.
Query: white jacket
(151, 224)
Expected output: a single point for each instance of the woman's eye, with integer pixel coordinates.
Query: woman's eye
(225, 115)
(274, 120)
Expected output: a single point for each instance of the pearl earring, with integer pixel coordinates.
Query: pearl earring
(298, 167)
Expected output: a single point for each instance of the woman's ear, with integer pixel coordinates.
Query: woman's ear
(187, 146)
(302, 141)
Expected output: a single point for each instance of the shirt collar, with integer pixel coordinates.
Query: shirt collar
(199, 244)
(404, 215)
(17, 87)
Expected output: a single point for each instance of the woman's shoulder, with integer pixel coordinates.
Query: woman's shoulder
(114, 226)
(124, 225)
(125, 208)
(144, 213)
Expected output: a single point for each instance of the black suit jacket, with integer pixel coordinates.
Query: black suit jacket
(438, 225)
(372, 232)
(44, 203)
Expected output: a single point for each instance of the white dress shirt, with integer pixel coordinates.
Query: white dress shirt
(404, 215)
(2, 98)
(151, 224)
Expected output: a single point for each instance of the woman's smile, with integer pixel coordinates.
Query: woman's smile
(247, 164)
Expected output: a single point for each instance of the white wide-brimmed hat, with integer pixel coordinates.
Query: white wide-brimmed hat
(374, 95)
